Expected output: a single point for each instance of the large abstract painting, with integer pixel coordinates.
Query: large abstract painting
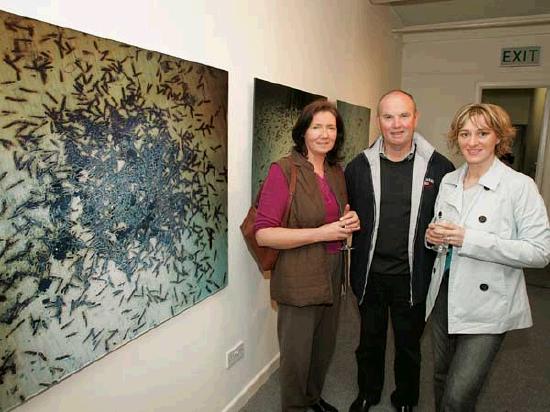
(113, 197)
(276, 109)
(356, 122)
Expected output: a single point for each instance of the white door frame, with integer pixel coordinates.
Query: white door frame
(545, 128)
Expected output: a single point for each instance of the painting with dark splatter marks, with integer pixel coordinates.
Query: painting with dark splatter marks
(356, 123)
(276, 109)
(113, 197)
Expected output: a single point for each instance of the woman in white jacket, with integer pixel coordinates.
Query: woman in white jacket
(494, 222)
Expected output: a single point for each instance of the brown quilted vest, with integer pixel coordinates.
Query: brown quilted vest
(301, 276)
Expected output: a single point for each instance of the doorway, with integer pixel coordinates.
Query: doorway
(528, 109)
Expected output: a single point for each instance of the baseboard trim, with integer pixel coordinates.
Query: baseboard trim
(255, 383)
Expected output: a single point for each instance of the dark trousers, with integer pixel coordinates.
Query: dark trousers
(390, 294)
(307, 336)
(461, 362)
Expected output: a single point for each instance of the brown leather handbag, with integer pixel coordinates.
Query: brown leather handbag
(265, 256)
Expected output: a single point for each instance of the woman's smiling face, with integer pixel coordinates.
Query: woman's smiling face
(477, 142)
(321, 134)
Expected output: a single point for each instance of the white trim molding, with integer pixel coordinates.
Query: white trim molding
(544, 136)
(239, 401)
(387, 2)
(524, 84)
(477, 24)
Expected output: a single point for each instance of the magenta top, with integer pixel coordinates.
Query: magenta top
(274, 198)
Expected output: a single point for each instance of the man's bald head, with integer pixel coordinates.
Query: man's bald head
(395, 92)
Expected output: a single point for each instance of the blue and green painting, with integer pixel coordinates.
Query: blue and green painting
(276, 109)
(356, 123)
(113, 197)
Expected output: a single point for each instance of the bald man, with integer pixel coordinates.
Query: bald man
(392, 186)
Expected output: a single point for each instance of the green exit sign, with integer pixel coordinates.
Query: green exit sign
(520, 56)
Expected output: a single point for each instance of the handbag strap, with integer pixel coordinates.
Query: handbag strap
(291, 191)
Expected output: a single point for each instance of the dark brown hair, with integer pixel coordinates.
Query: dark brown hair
(304, 121)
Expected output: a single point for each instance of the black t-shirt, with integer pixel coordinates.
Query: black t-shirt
(391, 250)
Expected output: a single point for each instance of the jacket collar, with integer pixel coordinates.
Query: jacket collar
(489, 180)
(408, 157)
(423, 148)
(334, 175)
(299, 159)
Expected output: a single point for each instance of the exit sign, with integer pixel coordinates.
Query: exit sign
(520, 56)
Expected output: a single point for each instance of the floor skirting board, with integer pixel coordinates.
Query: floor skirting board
(252, 387)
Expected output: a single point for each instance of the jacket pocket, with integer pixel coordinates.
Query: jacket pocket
(478, 295)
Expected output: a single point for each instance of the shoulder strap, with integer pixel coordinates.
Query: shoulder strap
(293, 175)
(291, 191)
(342, 177)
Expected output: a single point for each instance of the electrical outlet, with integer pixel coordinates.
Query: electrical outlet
(234, 355)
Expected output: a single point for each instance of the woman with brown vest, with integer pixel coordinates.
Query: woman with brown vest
(307, 279)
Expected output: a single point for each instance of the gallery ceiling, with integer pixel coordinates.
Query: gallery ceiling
(421, 12)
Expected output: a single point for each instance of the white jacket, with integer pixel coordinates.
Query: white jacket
(506, 229)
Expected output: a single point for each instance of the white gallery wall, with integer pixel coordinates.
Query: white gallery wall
(340, 48)
(447, 69)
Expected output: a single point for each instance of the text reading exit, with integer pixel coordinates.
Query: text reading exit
(520, 56)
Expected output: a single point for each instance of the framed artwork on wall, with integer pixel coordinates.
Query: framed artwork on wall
(113, 197)
(276, 109)
(357, 124)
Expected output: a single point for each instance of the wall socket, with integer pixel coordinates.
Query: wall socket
(234, 355)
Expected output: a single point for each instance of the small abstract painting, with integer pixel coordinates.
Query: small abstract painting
(113, 197)
(276, 109)
(356, 123)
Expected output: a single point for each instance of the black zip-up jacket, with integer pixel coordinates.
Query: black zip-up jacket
(363, 184)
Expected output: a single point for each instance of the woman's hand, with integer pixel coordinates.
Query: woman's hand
(445, 233)
(341, 229)
(287, 238)
(350, 219)
(330, 232)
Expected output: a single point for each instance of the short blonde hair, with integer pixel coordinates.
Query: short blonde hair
(495, 118)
